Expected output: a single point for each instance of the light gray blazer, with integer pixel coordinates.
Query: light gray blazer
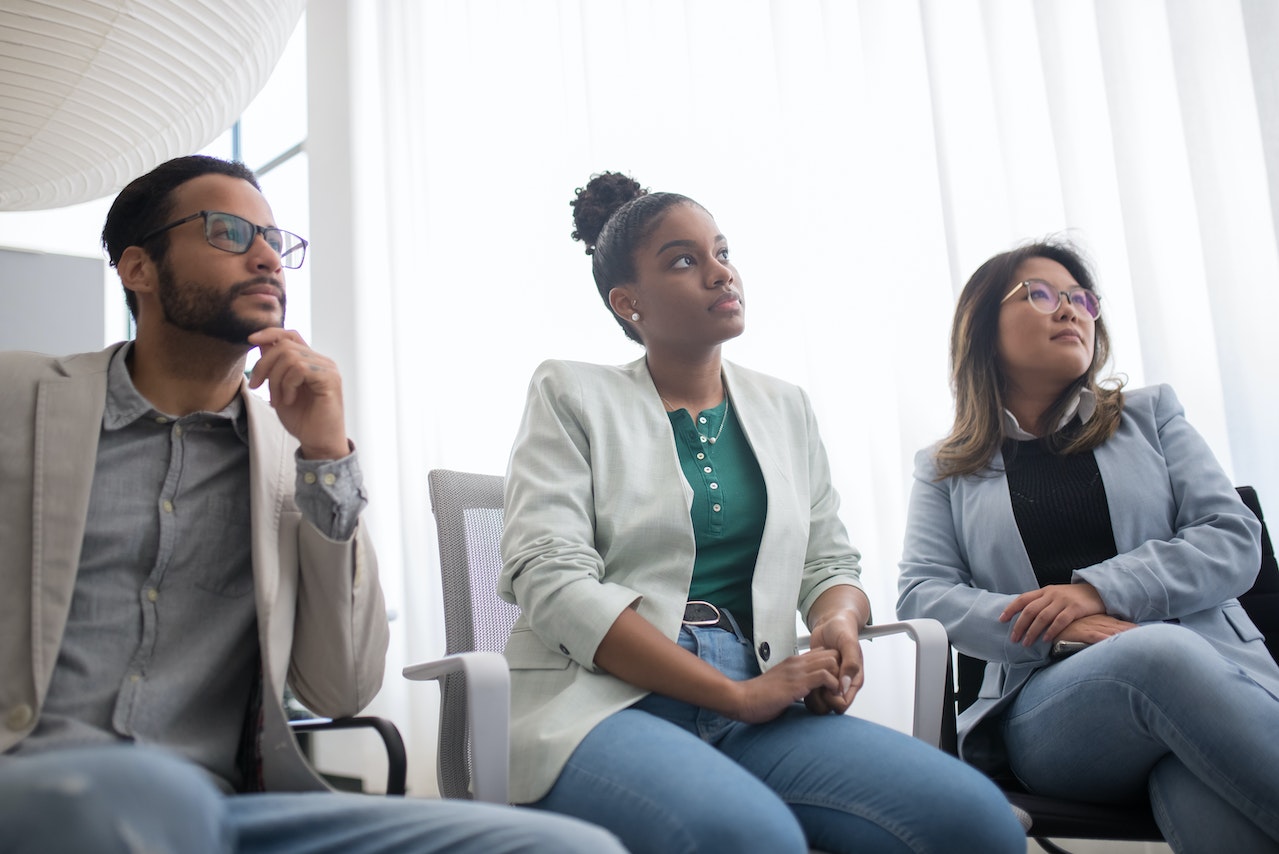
(321, 617)
(597, 520)
(1187, 546)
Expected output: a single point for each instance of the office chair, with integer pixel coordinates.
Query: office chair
(1063, 819)
(475, 689)
(392, 741)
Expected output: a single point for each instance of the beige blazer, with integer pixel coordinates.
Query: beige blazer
(597, 520)
(330, 644)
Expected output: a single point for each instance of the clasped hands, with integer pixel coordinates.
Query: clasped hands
(826, 678)
(1071, 612)
(306, 392)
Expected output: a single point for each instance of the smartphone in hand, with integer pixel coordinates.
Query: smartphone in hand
(1064, 649)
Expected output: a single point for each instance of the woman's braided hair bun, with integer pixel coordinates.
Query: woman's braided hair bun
(599, 200)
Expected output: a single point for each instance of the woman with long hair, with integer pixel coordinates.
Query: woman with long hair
(1083, 541)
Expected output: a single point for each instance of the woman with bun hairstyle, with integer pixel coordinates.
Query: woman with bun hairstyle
(1062, 515)
(664, 521)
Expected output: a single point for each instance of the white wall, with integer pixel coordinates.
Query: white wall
(55, 303)
(59, 294)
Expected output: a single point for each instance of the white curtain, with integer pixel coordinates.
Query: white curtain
(863, 158)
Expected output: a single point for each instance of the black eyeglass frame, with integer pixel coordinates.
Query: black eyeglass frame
(1066, 295)
(264, 230)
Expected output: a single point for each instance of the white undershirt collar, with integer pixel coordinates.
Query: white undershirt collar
(1084, 405)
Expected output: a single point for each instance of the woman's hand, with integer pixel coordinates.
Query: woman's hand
(763, 698)
(1046, 612)
(838, 631)
(636, 652)
(1093, 628)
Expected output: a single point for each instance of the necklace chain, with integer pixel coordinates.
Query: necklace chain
(711, 440)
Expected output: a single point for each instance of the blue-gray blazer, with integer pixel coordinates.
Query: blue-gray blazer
(1187, 546)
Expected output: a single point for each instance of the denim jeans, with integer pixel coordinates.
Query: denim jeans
(1155, 710)
(669, 777)
(138, 800)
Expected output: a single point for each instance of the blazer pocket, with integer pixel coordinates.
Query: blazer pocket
(525, 652)
(1241, 622)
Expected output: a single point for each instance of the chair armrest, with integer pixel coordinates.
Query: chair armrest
(932, 655)
(488, 711)
(396, 761)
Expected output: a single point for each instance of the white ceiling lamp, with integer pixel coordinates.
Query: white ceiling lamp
(94, 93)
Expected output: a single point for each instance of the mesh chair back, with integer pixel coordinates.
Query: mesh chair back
(468, 520)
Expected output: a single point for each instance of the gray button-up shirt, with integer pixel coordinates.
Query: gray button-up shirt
(161, 640)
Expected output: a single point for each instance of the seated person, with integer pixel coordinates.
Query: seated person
(175, 548)
(664, 521)
(1061, 510)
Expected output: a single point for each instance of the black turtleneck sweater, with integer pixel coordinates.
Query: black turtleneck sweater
(1059, 502)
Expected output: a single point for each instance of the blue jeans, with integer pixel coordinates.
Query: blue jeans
(122, 798)
(1156, 711)
(670, 777)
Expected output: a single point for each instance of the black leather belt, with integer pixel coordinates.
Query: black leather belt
(699, 613)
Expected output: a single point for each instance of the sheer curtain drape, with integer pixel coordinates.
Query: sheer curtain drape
(862, 159)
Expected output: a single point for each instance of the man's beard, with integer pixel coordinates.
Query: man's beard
(196, 308)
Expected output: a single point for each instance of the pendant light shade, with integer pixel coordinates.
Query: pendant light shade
(94, 93)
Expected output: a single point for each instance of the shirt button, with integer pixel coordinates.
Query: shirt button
(707, 469)
(703, 438)
(167, 505)
(309, 477)
(134, 677)
(702, 419)
(701, 456)
(177, 431)
(715, 507)
(152, 595)
(330, 479)
(563, 649)
(19, 717)
(714, 486)
(160, 419)
(764, 651)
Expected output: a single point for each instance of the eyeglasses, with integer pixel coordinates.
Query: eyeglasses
(235, 234)
(1045, 297)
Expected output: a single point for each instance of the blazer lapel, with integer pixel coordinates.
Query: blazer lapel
(997, 548)
(68, 421)
(266, 458)
(760, 423)
(752, 409)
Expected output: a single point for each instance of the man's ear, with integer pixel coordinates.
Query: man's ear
(137, 270)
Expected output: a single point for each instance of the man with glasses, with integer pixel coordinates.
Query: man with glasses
(176, 549)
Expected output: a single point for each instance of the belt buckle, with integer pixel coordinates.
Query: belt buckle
(695, 607)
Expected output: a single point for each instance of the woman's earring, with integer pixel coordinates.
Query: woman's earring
(635, 316)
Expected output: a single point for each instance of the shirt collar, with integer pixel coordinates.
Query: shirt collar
(125, 405)
(1084, 405)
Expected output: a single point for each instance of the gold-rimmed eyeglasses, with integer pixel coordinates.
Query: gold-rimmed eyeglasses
(1046, 297)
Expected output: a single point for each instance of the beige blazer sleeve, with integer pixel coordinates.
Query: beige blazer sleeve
(321, 614)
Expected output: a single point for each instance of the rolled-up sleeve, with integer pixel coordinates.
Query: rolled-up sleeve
(551, 567)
